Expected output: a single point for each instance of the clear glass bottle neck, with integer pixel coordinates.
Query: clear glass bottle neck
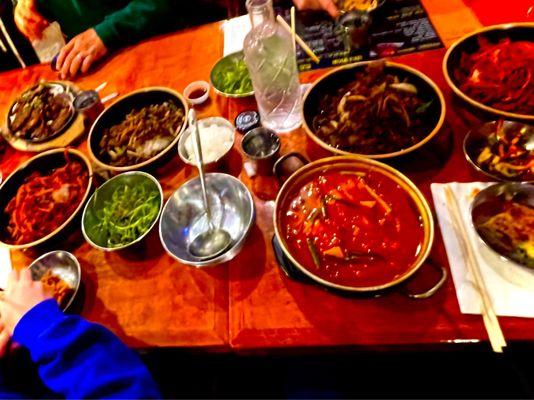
(260, 12)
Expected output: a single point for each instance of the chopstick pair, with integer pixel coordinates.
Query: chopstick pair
(297, 38)
(491, 322)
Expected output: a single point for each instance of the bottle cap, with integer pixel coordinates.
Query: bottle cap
(247, 120)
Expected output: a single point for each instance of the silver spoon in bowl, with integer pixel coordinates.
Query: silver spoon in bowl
(214, 241)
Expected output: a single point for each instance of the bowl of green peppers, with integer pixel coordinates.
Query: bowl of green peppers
(230, 77)
(122, 211)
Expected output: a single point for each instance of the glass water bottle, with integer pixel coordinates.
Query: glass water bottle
(271, 61)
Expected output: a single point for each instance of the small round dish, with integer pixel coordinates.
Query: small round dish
(92, 214)
(60, 264)
(183, 217)
(495, 149)
(197, 92)
(503, 215)
(214, 146)
(223, 76)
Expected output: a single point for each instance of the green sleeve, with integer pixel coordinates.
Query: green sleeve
(137, 20)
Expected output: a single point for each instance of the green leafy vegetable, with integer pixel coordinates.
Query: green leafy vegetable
(128, 214)
(233, 78)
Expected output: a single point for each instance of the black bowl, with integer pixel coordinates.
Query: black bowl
(332, 81)
(43, 162)
(470, 44)
(117, 112)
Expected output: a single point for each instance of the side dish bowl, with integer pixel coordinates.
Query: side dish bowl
(117, 113)
(101, 202)
(334, 82)
(470, 44)
(43, 162)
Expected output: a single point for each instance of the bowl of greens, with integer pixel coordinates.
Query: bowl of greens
(230, 77)
(122, 211)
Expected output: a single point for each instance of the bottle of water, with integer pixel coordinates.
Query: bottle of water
(270, 59)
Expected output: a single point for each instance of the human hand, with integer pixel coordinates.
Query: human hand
(20, 296)
(28, 20)
(4, 341)
(327, 5)
(80, 53)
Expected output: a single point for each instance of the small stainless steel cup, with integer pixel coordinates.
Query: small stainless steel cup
(261, 146)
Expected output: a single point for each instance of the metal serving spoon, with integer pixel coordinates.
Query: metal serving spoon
(214, 241)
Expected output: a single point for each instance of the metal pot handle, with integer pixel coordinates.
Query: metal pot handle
(430, 292)
(278, 164)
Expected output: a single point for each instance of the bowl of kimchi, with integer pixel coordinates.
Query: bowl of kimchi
(353, 224)
(492, 70)
(42, 197)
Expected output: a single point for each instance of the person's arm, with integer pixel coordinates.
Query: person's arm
(75, 358)
(79, 359)
(137, 20)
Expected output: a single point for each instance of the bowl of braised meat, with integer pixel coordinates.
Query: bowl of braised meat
(42, 112)
(377, 109)
(138, 130)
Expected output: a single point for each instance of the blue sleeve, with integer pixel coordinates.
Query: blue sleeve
(79, 359)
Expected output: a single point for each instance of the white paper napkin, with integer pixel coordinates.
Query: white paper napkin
(5, 266)
(510, 286)
(234, 31)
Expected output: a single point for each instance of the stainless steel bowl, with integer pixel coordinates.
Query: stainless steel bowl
(62, 264)
(215, 78)
(103, 193)
(477, 139)
(490, 202)
(183, 217)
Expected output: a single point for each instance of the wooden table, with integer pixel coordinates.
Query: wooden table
(248, 303)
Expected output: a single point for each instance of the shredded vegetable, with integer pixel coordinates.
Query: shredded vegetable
(44, 202)
(128, 214)
(500, 75)
(142, 134)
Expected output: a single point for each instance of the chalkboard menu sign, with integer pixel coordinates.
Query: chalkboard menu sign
(395, 27)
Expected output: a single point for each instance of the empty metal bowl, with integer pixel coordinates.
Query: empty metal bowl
(183, 217)
(103, 194)
(62, 264)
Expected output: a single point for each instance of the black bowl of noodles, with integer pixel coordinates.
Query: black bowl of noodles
(139, 129)
(376, 109)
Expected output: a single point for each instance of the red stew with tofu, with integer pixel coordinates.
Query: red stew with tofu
(353, 228)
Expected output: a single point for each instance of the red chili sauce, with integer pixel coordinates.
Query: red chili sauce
(352, 228)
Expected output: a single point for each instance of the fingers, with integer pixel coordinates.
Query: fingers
(65, 68)
(76, 64)
(63, 54)
(13, 278)
(330, 7)
(4, 340)
(87, 62)
(26, 277)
